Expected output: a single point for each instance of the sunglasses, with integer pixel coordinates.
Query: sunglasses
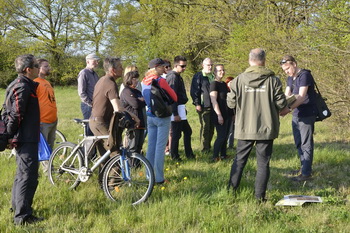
(284, 61)
(182, 66)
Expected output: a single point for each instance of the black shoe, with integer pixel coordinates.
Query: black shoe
(301, 178)
(31, 219)
(177, 159)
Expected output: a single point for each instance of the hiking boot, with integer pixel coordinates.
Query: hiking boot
(301, 178)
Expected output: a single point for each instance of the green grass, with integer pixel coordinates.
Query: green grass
(196, 199)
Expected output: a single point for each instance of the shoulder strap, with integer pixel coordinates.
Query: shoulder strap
(317, 88)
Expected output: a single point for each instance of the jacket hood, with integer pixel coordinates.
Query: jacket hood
(257, 75)
(147, 80)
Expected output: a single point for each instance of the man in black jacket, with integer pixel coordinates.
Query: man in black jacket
(179, 121)
(23, 127)
(201, 99)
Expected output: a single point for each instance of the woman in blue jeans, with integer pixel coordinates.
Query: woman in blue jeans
(157, 128)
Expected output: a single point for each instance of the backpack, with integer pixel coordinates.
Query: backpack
(3, 119)
(160, 100)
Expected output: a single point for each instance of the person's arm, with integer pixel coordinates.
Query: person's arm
(231, 96)
(288, 91)
(300, 98)
(82, 86)
(213, 98)
(196, 92)
(18, 104)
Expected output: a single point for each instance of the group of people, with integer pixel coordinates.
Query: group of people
(251, 103)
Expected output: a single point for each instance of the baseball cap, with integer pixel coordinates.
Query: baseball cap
(156, 62)
(92, 56)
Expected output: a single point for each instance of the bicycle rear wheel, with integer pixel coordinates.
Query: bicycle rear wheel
(64, 166)
(135, 187)
(59, 138)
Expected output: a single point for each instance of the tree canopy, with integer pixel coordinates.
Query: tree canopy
(316, 32)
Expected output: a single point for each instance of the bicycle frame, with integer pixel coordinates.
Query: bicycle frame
(89, 171)
(86, 172)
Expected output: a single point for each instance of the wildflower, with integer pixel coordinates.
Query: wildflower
(185, 178)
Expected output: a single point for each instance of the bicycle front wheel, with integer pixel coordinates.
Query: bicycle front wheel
(131, 180)
(64, 166)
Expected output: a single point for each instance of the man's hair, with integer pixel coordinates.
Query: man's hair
(215, 70)
(41, 60)
(129, 76)
(206, 60)
(24, 61)
(257, 55)
(111, 62)
(179, 58)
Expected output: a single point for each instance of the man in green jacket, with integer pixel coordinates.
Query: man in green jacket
(258, 99)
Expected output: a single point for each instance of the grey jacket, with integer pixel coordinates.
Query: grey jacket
(257, 97)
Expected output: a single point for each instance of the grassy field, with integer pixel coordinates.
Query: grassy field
(196, 199)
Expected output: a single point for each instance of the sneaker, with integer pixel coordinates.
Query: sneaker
(301, 177)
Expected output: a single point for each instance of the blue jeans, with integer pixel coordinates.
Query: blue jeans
(303, 130)
(86, 110)
(158, 132)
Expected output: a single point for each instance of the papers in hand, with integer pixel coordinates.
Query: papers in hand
(181, 109)
(297, 200)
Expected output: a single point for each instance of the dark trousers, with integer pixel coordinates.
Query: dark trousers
(220, 145)
(176, 129)
(135, 137)
(303, 130)
(263, 155)
(207, 128)
(86, 110)
(26, 180)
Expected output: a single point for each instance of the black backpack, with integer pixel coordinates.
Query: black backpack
(160, 100)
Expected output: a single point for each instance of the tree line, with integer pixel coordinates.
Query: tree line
(316, 32)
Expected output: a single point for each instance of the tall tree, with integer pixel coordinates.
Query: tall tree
(48, 21)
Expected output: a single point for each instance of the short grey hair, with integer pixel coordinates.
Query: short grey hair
(206, 60)
(24, 61)
(257, 55)
(111, 62)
